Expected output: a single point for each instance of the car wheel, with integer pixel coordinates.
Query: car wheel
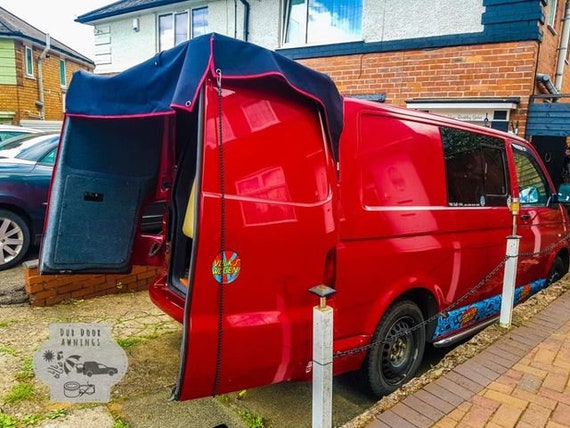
(392, 363)
(557, 271)
(14, 239)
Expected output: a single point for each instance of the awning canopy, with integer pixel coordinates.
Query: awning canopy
(172, 79)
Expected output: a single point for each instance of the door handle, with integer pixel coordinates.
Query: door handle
(525, 217)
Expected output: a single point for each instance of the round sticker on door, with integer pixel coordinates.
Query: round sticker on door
(226, 267)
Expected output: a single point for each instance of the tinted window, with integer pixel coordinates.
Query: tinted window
(475, 168)
(533, 188)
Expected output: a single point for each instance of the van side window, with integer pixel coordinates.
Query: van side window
(476, 169)
(533, 188)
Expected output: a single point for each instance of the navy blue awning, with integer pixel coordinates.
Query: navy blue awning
(172, 80)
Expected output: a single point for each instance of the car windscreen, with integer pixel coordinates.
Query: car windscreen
(15, 142)
(36, 151)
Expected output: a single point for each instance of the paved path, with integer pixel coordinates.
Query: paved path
(522, 381)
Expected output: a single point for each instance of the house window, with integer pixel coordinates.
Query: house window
(175, 28)
(29, 62)
(199, 21)
(172, 29)
(322, 21)
(62, 73)
(552, 13)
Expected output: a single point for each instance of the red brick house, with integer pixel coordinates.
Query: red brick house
(34, 72)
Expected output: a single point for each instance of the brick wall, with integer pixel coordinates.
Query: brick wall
(21, 98)
(47, 290)
(491, 70)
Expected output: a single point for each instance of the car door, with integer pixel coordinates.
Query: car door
(540, 223)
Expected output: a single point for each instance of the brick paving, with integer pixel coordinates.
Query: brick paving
(522, 381)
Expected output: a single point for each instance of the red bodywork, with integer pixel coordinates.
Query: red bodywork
(285, 212)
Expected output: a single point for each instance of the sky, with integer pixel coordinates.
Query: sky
(56, 17)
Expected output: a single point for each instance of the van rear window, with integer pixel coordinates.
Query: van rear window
(476, 170)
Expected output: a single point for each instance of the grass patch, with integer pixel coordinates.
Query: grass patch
(7, 323)
(20, 392)
(32, 420)
(7, 421)
(26, 371)
(57, 413)
(120, 424)
(251, 420)
(8, 350)
(128, 342)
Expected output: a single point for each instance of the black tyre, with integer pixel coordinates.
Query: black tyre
(557, 271)
(392, 363)
(14, 239)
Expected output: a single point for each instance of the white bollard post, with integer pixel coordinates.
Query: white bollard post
(322, 359)
(509, 280)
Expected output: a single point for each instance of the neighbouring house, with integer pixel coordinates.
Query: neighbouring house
(498, 63)
(34, 73)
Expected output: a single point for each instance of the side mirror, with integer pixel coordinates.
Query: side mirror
(564, 193)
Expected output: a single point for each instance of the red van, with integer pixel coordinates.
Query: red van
(274, 184)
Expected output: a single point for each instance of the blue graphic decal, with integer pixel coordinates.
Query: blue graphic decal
(475, 312)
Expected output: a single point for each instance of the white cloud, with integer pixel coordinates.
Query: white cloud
(56, 17)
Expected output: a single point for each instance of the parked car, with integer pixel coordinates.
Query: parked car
(26, 166)
(25, 175)
(9, 131)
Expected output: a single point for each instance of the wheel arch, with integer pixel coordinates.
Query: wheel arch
(21, 213)
(565, 256)
(426, 302)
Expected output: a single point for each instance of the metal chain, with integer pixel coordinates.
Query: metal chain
(453, 305)
(222, 237)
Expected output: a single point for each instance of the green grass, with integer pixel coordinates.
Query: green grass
(57, 413)
(30, 420)
(7, 421)
(8, 350)
(251, 420)
(7, 323)
(128, 342)
(20, 392)
(120, 424)
(27, 371)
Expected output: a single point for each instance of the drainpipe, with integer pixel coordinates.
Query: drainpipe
(42, 56)
(245, 19)
(563, 51)
(545, 80)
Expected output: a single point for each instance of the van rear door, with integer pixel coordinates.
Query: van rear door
(265, 226)
(108, 170)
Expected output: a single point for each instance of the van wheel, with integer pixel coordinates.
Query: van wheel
(557, 271)
(392, 363)
(14, 239)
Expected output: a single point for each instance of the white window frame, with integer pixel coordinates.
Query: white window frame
(191, 20)
(285, 25)
(173, 16)
(189, 25)
(27, 65)
(552, 14)
(477, 113)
